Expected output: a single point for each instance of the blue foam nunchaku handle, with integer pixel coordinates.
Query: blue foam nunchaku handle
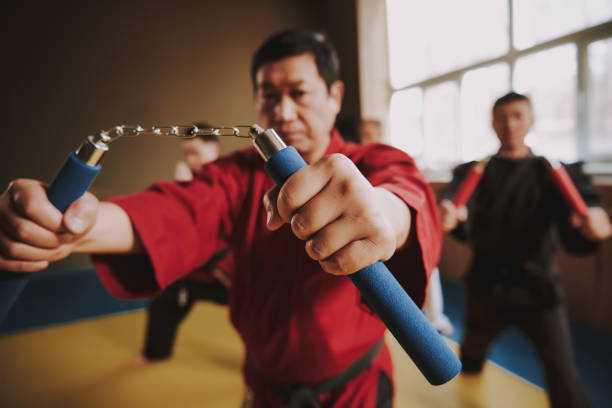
(387, 298)
(404, 319)
(71, 182)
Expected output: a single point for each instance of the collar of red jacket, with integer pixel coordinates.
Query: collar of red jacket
(335, 142)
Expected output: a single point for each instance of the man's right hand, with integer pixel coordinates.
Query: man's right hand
(450, 216)
(33, 232)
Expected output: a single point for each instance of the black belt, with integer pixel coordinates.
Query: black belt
(298, 396)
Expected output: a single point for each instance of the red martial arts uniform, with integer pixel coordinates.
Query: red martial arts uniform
(299, 324)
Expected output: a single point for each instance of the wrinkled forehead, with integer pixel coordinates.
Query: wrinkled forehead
(293, 71)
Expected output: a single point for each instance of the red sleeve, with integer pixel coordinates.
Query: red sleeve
(394, 170)
(181, 225)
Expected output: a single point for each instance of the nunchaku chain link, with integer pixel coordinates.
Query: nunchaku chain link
(93, 147)
(180, 131)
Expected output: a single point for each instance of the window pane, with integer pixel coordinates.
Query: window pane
(600, 98)
(431, 37)
(441, 125)
(536, 21)
(549, 78)
(406, 127)
(480, 88)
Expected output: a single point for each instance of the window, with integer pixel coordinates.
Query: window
(440, 118)
(549, 79)
(600, 98)
(536, 21)
(419, 40)
(479, 90)
(449, 62)
(406, 124)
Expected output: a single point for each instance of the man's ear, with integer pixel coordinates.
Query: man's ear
(336, 93)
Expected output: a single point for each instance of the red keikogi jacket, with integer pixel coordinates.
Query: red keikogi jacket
(299, 324)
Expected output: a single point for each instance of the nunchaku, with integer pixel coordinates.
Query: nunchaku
(568, 188)
(382, 292)
(562, 180)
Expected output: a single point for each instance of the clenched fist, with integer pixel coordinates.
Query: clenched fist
(33, 232)
(450, 216)
(346, 222)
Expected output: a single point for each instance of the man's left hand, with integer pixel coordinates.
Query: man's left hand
(595, 226)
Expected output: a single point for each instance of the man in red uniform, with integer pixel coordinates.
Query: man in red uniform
(310, 339)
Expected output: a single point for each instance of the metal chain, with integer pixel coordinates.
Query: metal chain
(181, 131)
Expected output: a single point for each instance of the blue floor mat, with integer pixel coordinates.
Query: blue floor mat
(52, 298)
(515, 353)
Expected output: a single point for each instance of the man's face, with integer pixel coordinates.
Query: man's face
(511, 122)
(198, 152)
(292, 97)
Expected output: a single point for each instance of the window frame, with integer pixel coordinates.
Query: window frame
(582, 39)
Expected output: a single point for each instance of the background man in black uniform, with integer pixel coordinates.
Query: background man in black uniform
(514, 222)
